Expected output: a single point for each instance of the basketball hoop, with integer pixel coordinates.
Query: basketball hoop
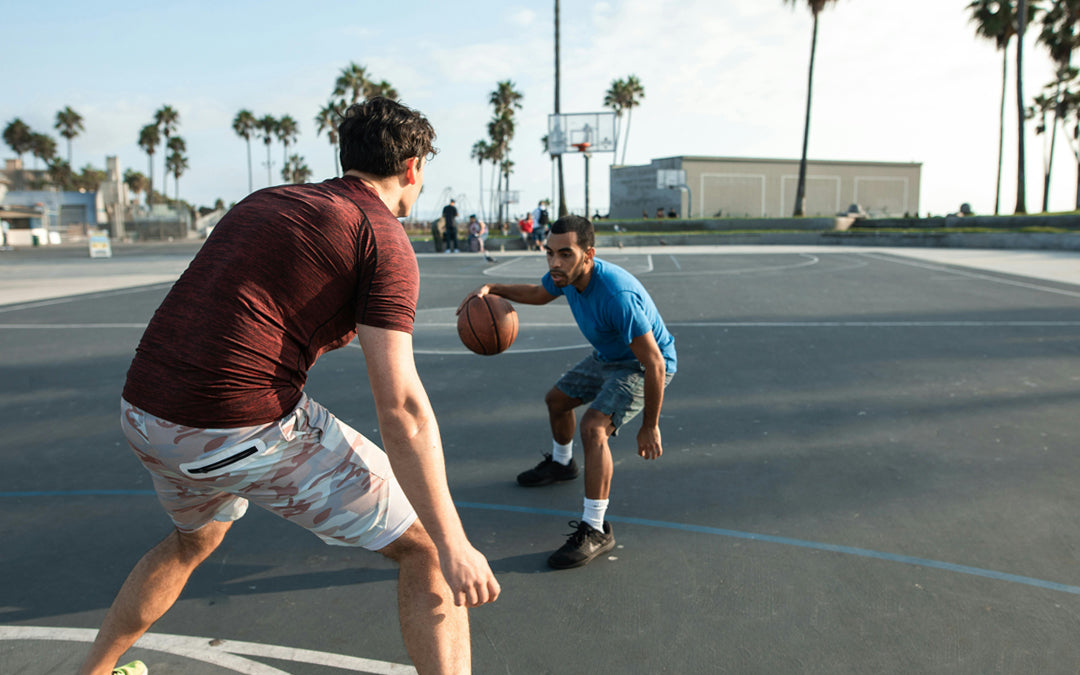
(582, 147)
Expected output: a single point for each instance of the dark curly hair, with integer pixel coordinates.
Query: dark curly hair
(586, 236)
(379, 134)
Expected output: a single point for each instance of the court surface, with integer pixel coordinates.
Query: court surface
(870, 465)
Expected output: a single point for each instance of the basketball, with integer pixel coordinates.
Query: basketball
(487, 325)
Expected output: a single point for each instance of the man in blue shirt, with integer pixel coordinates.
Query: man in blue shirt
(632, 362)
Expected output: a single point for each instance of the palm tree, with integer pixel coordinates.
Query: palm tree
(149, 137)
(382, 88)
(296, 170)
(167, 119)
(60, 174)
(480, 151)
(287, 131)
(501, 131)
(352, 82)
(136, 181)
(18, 135)
(327, 120)
(43, 147)
(1058, 34)
(995, 20)
(632, 93)
(267, 127)
(505, 99)
(176, 163)
(815, 7)
(69, 123)
(1070, 112)
(244, 125)
(177, 147)
(613, 98)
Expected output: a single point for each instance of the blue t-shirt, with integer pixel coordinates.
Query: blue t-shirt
(613, 310)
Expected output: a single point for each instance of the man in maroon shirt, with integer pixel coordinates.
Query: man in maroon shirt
(214, 405)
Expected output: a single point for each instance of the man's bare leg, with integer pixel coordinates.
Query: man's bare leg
(149, 591)
(561, 415)
(435, 630)
(596, 429)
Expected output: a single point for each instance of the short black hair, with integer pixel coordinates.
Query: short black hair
(379, 134)
(586, 236)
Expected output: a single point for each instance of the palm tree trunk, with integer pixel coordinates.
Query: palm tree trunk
(1001, 126)
(1021, 177)
(150, 193)
(1053, 142)
(800, 192)
(250, 183)
(269, 176)
(626, 136)
(1078, 183)
(480, 195)
(562, 184)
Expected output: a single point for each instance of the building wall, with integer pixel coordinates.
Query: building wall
(64, 209)
(765, 188)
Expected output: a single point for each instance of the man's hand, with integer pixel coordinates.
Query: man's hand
(470, 578)
(480, 292)
(648, 443)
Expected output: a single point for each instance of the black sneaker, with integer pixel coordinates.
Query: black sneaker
(582, 546)
(547, 472)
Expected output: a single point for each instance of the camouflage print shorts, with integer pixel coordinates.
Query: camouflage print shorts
(309, 468)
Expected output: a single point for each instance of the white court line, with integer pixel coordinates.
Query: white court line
(813, 260)
(975, 275)
(80, 297)
(874, 324)
(221, 653)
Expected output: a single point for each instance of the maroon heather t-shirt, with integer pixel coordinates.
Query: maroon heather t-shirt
(284, 277)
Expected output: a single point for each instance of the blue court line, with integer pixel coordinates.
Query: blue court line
(698, 529)
(786, 541)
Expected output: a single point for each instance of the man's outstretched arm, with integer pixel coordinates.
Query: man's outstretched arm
(528, 294)
(410, 436)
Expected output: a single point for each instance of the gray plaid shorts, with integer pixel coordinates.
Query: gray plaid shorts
(615, 388)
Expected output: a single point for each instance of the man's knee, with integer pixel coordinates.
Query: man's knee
(596, 428)
(198, 545)
(558, 402)
(414, 544)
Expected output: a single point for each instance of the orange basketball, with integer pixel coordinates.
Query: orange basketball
(487, 325)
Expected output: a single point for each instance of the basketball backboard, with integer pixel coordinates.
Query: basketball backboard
(581, 132)
(670, 178)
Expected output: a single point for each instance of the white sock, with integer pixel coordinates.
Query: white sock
(594, 513)
(562, 453)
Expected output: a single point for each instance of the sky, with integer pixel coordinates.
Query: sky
(893, 81)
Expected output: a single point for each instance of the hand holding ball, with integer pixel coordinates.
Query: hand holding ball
(487, 324)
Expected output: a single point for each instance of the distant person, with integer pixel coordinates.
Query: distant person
(672, 213)
(220, 417)
(478, 232)
(659, 212)
(449, 213)
(525, 227)
(541, 221)
(632, 361)
(438, 228)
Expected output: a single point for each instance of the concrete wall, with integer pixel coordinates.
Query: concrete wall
(765, 188)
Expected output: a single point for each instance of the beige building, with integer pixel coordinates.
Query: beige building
(739, 187)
